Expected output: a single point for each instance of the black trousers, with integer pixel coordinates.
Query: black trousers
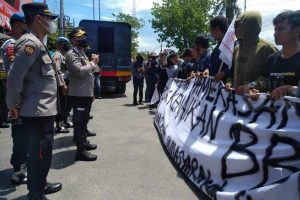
(20, 144)
(40, 131)
(3, 107)
(138, 85)
(81, 112)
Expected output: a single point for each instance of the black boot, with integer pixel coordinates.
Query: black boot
(89, 146)
(90, 134)
(52, 187)
(68, 123)
(83, 155)
(135, 102)
(61, 129)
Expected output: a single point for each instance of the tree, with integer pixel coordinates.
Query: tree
(177, 22)
(136, 24)
(229, 8)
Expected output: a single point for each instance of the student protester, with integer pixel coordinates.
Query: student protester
(201, 53)
(186, 67)
(250, 56)
(172, 67)
(151, 76)
(138, 70)
(218, 27)
(283, 67)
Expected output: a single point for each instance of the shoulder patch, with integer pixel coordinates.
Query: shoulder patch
(29, 49)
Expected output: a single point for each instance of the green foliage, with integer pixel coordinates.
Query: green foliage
(177, 22)
(136, 24)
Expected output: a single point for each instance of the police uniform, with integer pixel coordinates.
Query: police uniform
(3, 75)
(32, 84)
(81, 74)
(20, 140)
(59, 61)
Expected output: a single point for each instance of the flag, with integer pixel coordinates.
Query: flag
(227, 45)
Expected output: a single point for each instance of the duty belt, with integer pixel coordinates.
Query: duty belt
(3, 74)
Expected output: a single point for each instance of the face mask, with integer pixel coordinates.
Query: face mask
(82, 43)
(45, 40)
(52, 27)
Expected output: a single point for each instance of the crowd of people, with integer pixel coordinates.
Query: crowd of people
(41, 89)
(257, 65)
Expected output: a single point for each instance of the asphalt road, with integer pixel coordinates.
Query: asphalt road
(131, 165)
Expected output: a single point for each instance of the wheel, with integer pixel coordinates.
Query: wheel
(120, 87)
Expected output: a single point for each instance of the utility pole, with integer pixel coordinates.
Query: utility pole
(62, 19)
(99, 10)
(93, 9)
(133, 8)
(245, 5)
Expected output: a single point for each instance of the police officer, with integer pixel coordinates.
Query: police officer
(59, 59)
(19, 155)
(81, 73)
(32, 95)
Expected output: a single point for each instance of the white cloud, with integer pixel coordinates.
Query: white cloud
(126, 5)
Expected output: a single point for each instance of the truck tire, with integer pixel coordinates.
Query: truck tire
(120, 87)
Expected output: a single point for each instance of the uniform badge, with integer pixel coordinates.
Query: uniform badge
(29, 49)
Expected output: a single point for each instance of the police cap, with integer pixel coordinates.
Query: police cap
(17, 17)
(77, 32)
(37, 8)
(62, 39)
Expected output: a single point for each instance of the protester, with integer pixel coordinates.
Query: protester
(151, 76)
(283, 72)
(138, 70)
(250, 56)
(186, 67)
(59, 59)
(81, 91)
(32, 95)
(201, 53)
(172, 67)
(218, 27)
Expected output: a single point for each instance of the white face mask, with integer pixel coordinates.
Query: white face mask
(52, 27)
(45, 40)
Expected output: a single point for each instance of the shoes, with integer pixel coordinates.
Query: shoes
(98, 97)
(4, 125)
(39, 197)
(85, 156)
(90, 134)
(88, 146)
(61, 129)
(20, 177)
(91, 117)
(135, 103)
(141, 103)
(52, 187)
(68, 124)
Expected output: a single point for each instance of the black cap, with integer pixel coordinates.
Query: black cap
(37, 8)
(77, 32)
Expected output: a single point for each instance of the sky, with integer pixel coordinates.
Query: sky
(78, 10)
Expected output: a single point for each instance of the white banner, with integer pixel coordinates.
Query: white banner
(229, 146)
(227, 45)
